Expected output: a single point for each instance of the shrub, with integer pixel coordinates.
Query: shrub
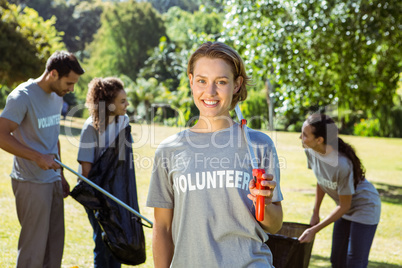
(367, 127)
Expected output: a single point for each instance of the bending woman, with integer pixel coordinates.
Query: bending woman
(341, 175)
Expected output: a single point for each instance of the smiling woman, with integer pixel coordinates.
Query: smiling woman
(218, 82)
(213, 86)
(202, 194)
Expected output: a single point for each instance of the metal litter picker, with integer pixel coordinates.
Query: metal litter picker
(118, 201)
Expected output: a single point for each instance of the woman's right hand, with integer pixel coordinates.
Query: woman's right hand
(307, 236)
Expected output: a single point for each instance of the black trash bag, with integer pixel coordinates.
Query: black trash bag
(114, 172)
(286, 249)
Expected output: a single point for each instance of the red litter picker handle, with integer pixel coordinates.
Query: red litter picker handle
(260, 204)
(257, 172)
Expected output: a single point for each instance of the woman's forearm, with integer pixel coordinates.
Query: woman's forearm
(319, 196)
(273, 218)
(162, 247)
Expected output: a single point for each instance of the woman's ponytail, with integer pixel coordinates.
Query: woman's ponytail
(349, 152)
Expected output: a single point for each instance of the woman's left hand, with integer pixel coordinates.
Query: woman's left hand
(268, 183)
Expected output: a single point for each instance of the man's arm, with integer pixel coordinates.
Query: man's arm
(10, 144)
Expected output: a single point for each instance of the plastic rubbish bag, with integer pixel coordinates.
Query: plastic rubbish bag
(114, 172)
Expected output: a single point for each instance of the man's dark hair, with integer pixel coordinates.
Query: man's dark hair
(64, 62)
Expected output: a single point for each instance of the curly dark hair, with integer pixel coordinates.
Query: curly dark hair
(101, 93)
(324, 126)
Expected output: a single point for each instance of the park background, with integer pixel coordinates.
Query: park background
(341, 57)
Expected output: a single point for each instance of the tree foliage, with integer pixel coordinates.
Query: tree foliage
(146, 92)
(79, 20)
(344, 54)
(168, 62)
(164, 5)
(318, 53)
(26, 41)
(255, 109)
(129, 32)
(183, 27)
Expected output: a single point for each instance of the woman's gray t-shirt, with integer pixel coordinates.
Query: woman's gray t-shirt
(334, 173)
(93, 143)
(204, 178)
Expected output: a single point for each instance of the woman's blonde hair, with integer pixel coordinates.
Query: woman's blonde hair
(222, 51)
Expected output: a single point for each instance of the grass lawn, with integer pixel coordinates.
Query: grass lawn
(381, 157)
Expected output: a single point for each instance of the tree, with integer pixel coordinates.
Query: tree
(168, 61)
(167, 64)
(129, 31)
(182, 27)
(319, 53)
(144, 91)
(184, 30)
(79, 20)
(26, 41)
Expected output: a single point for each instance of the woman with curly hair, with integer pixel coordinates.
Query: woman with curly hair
(341, 175)
(107, 104)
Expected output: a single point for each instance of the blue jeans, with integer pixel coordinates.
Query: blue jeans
(351, 243)
(103, 258)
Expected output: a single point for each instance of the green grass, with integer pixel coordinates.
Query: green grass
(381, 157)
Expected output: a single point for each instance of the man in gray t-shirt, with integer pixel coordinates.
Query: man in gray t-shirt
(29, 129)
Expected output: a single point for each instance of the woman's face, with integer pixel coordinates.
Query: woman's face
(308, 138)
(119, 105)
(213, 85)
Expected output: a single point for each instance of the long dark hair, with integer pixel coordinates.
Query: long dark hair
(101, 93)
(325, 127)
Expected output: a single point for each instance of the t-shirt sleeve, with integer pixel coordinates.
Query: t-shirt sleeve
(16, 107)
(88, 142)
(160, 192)
(345, 178)
(273, 168)
(308, 155)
